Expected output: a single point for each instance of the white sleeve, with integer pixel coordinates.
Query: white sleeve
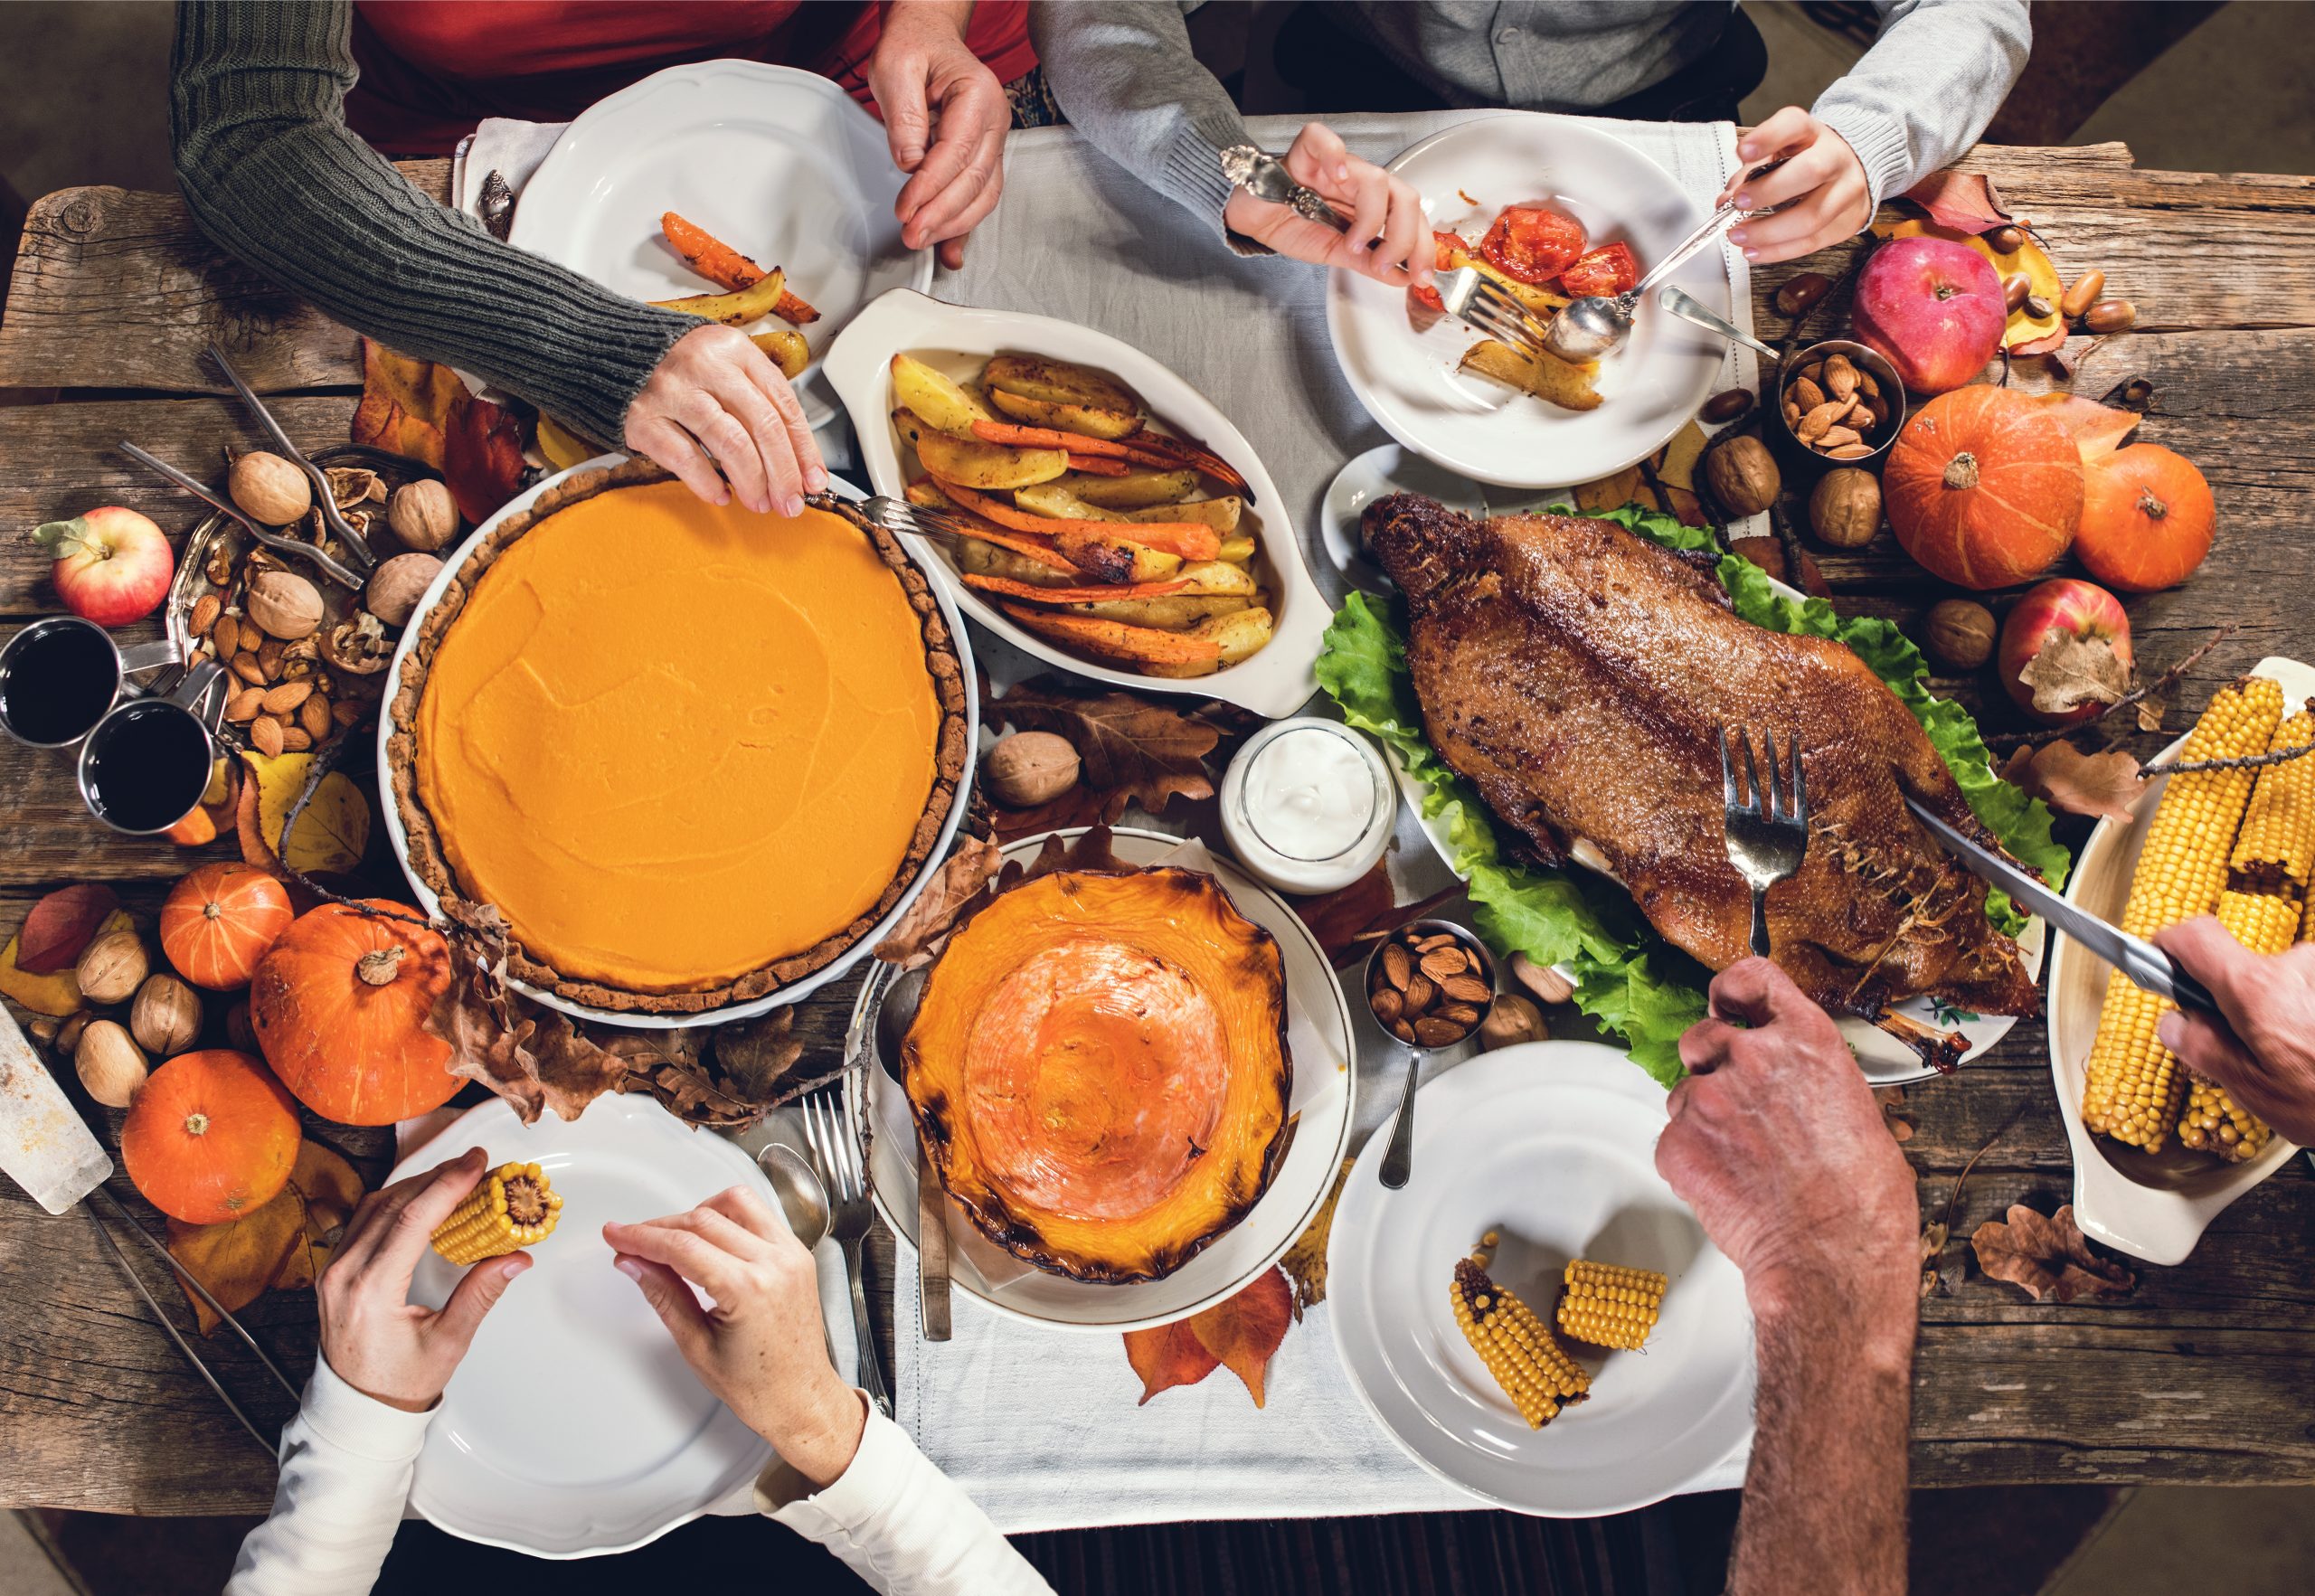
(901, 1524)
(347, 1460)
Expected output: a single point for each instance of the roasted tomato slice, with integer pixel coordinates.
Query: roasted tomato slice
(1608, 269)
(1448, 254)
(1533, 244)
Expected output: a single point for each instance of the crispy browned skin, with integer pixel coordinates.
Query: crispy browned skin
(1576, 675)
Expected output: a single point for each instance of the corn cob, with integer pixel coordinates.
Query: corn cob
(510, 1208)
(2214, 1122)
(2132, 1086)
(1609, 1305)
(2277, 844)
(1535, 1372)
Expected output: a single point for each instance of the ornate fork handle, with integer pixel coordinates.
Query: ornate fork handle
(1265, 176)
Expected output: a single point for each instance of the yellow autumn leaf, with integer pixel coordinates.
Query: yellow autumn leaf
(334, 830)
(561, 449)
(2028, 257)
(57, 995)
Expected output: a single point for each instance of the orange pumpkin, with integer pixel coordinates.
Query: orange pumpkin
(218, 922)
(211, 1137)
(340, 1007)
(341, 1013)
(2147, 519)
(1984, 488)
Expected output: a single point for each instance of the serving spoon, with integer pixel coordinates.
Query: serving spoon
(803, 1200)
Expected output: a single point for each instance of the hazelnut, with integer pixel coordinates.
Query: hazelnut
(1742, 475)
(423, 515)
(270, 489)
(397, 585)
(1845, 507)
(107, 1060)
(284, 603)
(1961, 634)
(1029, 768)
(1513, 1019)
(112, 966)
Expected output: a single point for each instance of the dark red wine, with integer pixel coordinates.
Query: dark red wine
(146, 766)
(58, 683)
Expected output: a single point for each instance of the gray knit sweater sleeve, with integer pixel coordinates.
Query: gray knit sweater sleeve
(276, 179)
(1928, 87)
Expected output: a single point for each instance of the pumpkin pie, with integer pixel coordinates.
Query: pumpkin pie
(689, 753)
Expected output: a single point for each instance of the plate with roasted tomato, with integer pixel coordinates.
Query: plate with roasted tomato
(1127, 1067)
(1550, 209)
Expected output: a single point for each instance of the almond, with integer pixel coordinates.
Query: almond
(1420, 995)
(245, 666)
(1445, 964)
(1849, 451)
(1812, 425)
(1833, 437)
(1814, 371)
(1396, 966)
(288, 697)
(1433, 1032)
(243, 706)
(1791, 413)
(205, 612)
(1806, 394)
(294, 740)
(1432, 944)
(265, 733)
(269, 654)
(314, 717)
(1840, 377)
(1469, 989)
(344, 711)
(1402, 1030)
(1387, 1003)
(1868, 385)
(1460, 1014)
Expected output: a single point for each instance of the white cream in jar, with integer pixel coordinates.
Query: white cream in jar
(1308, 805)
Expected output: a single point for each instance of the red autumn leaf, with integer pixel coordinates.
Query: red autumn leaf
(57, 930)
(1337, 918)
(405, 404)
(2049, 343)
(1962, 200)
(482, 457)
(1169, 1355)
(1243, 1332)
(2099, 785)
(2048, 1256)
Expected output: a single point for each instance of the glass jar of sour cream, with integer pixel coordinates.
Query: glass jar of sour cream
(1308, 805)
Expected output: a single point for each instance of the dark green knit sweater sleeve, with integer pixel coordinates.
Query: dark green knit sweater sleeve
(276, 178)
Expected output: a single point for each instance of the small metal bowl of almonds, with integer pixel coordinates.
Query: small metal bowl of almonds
(1431, 984)
(1841, 401)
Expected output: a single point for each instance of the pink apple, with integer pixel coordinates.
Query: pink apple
(1934, 308)
(112, 565)
(2087, 635)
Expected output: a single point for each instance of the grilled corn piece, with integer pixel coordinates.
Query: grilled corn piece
(1517, 1347)
(2214, 1122)
(2277, 844)
(2132, 1086)
(1608, 1305)
(510, 1208)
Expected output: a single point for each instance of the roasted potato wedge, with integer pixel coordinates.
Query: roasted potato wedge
(1216, 577)
(1175, 614)
(786, 348)
(1137, 489)
(1055, 394)
(1237, 549)
(1114, 560)
(979, 558)
(731, 311)
(1222, 514)
(1055, 499)
(971, 464)
(1236, 636)
(945, 404)
(1547, 377)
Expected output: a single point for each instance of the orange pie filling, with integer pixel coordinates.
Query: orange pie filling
(673, 743)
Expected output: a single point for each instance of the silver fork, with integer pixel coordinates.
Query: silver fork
(836, 1157)
(899, 515)
(1767, 834)
(1473, 298)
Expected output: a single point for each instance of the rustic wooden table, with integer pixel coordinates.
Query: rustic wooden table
(2206, 1374)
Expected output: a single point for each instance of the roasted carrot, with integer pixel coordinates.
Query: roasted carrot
(1100, 465)
(1188, 539)
(1117, 639)
(1095, 594)
(1139, 448)
(725, 267)
(1190, 452)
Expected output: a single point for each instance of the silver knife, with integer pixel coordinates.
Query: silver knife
(931, 1246)
(2142, 961)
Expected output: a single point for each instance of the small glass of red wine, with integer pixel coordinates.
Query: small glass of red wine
(146, 764)
(62, 676)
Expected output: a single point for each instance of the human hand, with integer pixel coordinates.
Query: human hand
(761, 1349)
(1821, 186)
(1389, 238)
(717, 409)
(936, 92)
(374, 1337)
(2264, 1055)
(1777, 1144)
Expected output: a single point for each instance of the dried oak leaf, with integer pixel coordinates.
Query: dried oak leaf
(2071, 669)
(283, 1245)
(1128, 744)
(1340, 917)
(2047, 1257)
(962, 880)
(1240, 1335)
(330, 1187)
(405, 404)
(60, 926)
(1963, 200)
(2099, 785)
(1305, 1262)
(754, 1056)
(1080, 805)
(533, 1057)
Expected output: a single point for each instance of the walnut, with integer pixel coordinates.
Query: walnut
(284, 604)
(269, 490)
(1742, 475)
(1029, 768)
(1845, 507)
(423, 515)
(1960, 634)
(359, 646)
(397, 585)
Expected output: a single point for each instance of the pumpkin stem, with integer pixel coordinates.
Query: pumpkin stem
(378, 966)
(2152, 508)
(211, 910)
(1962, 470)
(196, 1123)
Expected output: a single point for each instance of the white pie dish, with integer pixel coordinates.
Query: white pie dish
(958, 340)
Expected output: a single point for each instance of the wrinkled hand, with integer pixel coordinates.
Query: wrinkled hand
(1389, 238)
(761, 1347)
(1821, 186)
(946, 117)
(717, 409)
(1777, 1144)
(374, 1337)
(2265, 1053)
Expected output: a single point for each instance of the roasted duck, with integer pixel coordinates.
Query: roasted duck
(1576, 675)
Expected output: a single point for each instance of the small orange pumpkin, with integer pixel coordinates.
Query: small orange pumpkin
(211, 1137)
(2148, 521)
(218, 922)
(1984, 488)
(340, 1007)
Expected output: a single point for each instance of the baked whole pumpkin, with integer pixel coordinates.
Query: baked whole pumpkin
(1984, 488)
(340, 1007)
(1099, 1067)
(219, 921)
(211, 1137)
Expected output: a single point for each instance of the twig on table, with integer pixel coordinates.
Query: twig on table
(1935, 1237)
(2252, 761)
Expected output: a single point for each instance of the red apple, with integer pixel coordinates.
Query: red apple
(112, 565)
(1934, 308)
(2066, 651)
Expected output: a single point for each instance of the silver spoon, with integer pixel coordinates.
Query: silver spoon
(803, 1200)
(1683, 305)
(1598, 323)
(1398, 1158)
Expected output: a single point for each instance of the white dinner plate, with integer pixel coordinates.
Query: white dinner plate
(1321, 1133)
(1400, 360)
(572, 1427)
(2150, 1206)
(1552, 1145)
(958, 340)
(781, 164)
(794, 991)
